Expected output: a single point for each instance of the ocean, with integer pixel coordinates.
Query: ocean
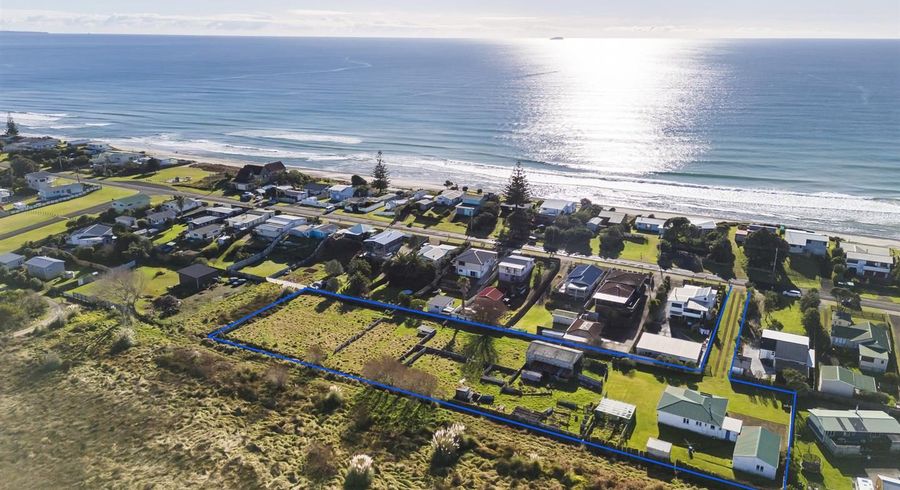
(800, 132)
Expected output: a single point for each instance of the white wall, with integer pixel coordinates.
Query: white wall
(749, 465)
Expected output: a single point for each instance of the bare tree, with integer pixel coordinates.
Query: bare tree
(122, 287)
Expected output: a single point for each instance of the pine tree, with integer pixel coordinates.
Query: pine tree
(380, 180)
(12, 129)
(518, 191)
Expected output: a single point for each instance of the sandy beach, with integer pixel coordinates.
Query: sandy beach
(437, 186)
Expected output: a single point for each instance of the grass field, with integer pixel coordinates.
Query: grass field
(740, 260)
(307, 275)
(723, 348)
(266, 267)
(537, 316)
(170, 234)
(790, 316)
(642, 252)
(102, 196)
(224, 260)
(803, 271)
(168, 175)
(16, 241)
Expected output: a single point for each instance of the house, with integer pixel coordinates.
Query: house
(115, 158)
(45, 268)
(203, 221)
(366, 204)
(442, 305)
(249, 219)
(10, 261)
(553, 360)
(552, 208)
(490, 293)
(469, 205)
(126, 221)
(586, 331)
(205, 234)
(51, 192)
(251, 176)
(697, 412)
(358, 231)
(740, 236)
(669, 348)
(161, 218)
(449, 198)
(865, 261)
(37, 180)
(340, 192)
(649, 225)
(581, 281)
(691, 302)
(606, 218)
(5, 195)
(621, 292)
(223, 211)
(425, 204)
(436, 254)
(840, 381)
(32, 144)
(871, 340)
(187, 204)
(385, 244)
(289, 194)
(846, 432)
(91, 235)
(323, 231)
(757, 451)
(804, 242)
(197, 276)
(704, 224)
(316, 189)
(130, 203)
(475, 263)
(883, 482)
(787, 351)
(563, 318)
(515, 271)
(276, 225)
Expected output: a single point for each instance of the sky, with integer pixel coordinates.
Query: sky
(462, 18)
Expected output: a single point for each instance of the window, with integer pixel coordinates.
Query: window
(685, 420)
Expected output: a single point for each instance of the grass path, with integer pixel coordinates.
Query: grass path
(728, 331)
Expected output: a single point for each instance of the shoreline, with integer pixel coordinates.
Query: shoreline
(407, 183)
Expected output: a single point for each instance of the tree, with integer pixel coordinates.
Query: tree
(612, 241)
(361, 266)
(810, 300)
(166, 305)
(122, 287)
(409, 270)
(577, 239)
(772, 301)
(519, 223)
(517, 191)
(356, 181)
(152, 165)
(720, 250)
(21, 165)
(12, 129)
(358, 285)
(463, 284)
(332, 284)
(334, 268)
(480, 352)
(812, 322)
(765, 250)
(796, 381)
(380, 179)
(486, 310)
(552, 236)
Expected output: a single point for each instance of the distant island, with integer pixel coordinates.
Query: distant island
(557, 38)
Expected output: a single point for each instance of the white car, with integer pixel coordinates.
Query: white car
(792, 293)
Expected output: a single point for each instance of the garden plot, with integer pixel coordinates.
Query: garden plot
(392, 337)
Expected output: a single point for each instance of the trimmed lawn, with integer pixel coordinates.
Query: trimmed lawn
(170, 235)
(307, 275)
(102, 196)
(723, 348)
(17, 241)
(642, 252)
(266, 267)
(803, 271)
(223, 260)
(791, 317)
(740, 260)
(186, 175)
(537, 316)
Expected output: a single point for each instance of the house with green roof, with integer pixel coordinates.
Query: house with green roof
(697, 412)
(840, 381)
(871, 340)
(136, 201)
(757, 451)
(852, 432)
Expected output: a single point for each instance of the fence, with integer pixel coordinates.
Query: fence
(88, 188)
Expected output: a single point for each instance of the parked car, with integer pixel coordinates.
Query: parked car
(846, 284)
(792, 293)
(246, 197)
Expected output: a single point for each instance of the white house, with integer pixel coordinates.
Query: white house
(160, 218)
(436, 254)
(223, 211)
(705, 224)
(115, 158)
(442, 305)
(757, 451)
(129, 203)
(50, 192)
(91, 235)
(36, 180)
(649, 225)
(206, 233)
(787, 351)
(805, 242)
(45, 268)
(555, 207)
(249, 219)
(660, 346)
(868, 261)
(475, 263)
(697, 412)
(840, 381)
(126, 221)
(32, 144)
(691, 301)
(515, 269)
(5, 195)
(871, 340)
(340, 192)
(11, 261)
(277, 225)
(189, 204)
(449, 198)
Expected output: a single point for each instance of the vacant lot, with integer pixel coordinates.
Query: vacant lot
(46, 213)
(171, 176)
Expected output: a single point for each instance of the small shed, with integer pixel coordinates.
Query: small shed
(659, 448)
(197, 276)
(11, 260)
(615, 410)
(532, 376)
(425, 331)
(464, 393)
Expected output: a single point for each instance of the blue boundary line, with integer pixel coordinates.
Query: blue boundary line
(790, 442)
(215, 336)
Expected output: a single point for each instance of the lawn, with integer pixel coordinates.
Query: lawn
(102, 196)
(790, 316)
(740, 260)
(184, 174)
(642, 252)
(170, 234)
(267, 267)
(307, 275)
(723, 348)
(537, 316)
(17, 241)
(224, 259)
(803, 271)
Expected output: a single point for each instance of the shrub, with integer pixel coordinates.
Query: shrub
(50, 362)
(359, 474)
(520, 467)
(445, 443)
(332, 399)
(124, 341)
(277, 377)
(320, 461)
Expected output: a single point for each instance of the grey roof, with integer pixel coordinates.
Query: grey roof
(94, 231)
(204, 220)
(43, 261)
(684, 402)
(162, 215)
(842, 374)
(612, 216)
(853, 421)
(208, 228)
(386, 237)
(134, 199)
(789, 347)
(198, 271)
(760, 443)
(557, 353)
(10, 257)
(476, 255)
(441, 301)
